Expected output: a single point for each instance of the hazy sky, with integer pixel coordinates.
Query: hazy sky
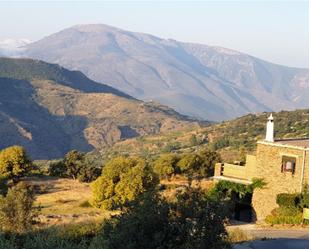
(274, 31)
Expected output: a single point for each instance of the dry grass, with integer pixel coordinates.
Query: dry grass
(238, 235)
(62, 201)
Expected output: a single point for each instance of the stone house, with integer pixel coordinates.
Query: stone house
(283, 164)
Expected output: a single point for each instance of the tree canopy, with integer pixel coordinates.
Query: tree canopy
(14, 162)
(122, 180)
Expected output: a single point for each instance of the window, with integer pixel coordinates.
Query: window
(288, 164)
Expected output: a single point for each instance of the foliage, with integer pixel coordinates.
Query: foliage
(189, 164)
(14, 162)
(75, 165)
(290, 209)
(122, 181)
(288, 200)
(193, 221)
(193, 140)
(3, 186)
(57, 169)
(165, 165)
(208, 158)
(285, 215)
(16, 209)
(304, 202)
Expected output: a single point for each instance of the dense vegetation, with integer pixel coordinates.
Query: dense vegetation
(191, 218)
(232, 139)
(290, 209)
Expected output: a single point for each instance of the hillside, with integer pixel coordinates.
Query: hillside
(50, 110)
(230, 138)
(208, 82)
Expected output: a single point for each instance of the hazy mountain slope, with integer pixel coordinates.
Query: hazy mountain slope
(51, 110)
(12, 47)
(199, 80)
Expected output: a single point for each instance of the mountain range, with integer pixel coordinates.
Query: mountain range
(50, 110)
(205, 82)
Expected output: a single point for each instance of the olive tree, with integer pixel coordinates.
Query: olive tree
(14, 162)
(122, 181)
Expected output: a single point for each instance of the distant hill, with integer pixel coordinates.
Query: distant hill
(203, 81)
(51, 110)
(230, 138)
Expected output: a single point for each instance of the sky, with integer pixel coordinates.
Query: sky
(276, 31)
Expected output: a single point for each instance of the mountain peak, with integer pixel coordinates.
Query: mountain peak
(94, 28)
(206, 82)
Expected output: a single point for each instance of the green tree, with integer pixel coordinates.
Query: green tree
(208, 158)
(189, 164)
(192, 221)
(73, 162)
(193, 140)
(16, 209)
(165, 165)
(122, 181)
(14, 162)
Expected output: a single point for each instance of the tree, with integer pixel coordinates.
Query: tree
(14, 162)
(193, 140)
(192, 221)
(208, 158)
(165, 166)
(76, 165)
(16, 209)
(122, 181)
(189, 164)
(198, 221)
(73, 162)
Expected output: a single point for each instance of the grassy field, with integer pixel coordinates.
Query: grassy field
(64, 201)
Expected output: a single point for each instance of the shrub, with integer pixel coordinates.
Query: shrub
(284, 216)
(16, 209)
(305, 200)
(288, 200)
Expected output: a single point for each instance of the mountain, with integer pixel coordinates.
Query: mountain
(12, 47)
(51, 110)
(208, 82)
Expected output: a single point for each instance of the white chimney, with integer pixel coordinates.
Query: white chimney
(270, 129)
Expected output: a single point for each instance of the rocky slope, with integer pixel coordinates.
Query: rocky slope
(209, 82)
(51, 110)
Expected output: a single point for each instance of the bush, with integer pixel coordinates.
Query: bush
(285, 215)
(288, 200)
(16, 209)
(305, 200)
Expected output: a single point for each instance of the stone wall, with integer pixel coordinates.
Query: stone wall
(268, 167)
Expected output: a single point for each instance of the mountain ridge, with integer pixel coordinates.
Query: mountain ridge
(50, 110)
(212, 83)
